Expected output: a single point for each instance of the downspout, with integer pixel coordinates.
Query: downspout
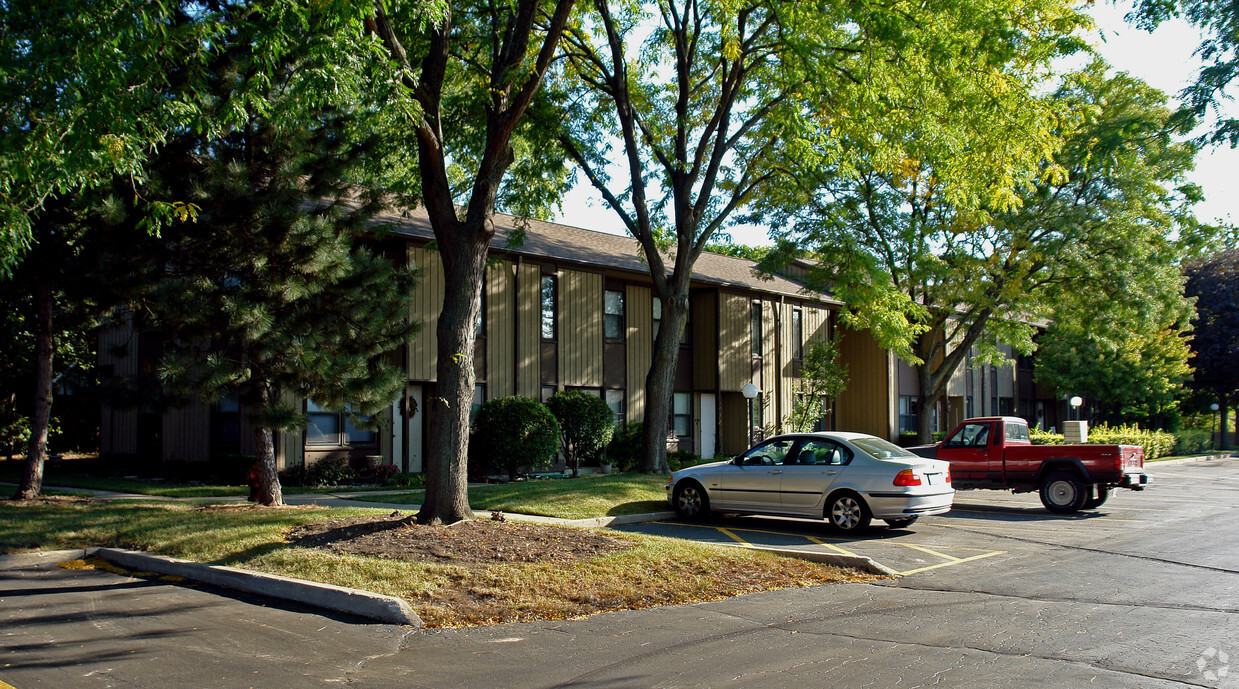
(516, 327)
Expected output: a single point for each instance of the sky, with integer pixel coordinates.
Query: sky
(1163, 59)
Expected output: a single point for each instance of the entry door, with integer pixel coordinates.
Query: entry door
(708, 425)
(417, 426)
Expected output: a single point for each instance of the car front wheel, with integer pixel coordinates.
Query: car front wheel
(848, 513)
(691, 501)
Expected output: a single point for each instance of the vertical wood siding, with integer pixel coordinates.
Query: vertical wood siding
(118, 348)
(427, 303)
(186, 433)
(290, 445)
(705, 341)
(772, 387)
(500, 329)
(580, 328)
(529, 334)
(735, 364)
(640, 347)
(865, 405)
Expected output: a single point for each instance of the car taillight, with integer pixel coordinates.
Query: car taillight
(907, 477)
(948, 475)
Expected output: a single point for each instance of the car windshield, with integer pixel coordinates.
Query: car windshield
(882, 449)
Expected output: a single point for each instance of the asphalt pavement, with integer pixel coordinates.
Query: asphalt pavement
(1143, 592)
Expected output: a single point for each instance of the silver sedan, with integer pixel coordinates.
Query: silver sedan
(846, 478)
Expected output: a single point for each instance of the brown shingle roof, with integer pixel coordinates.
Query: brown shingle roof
(548, 240)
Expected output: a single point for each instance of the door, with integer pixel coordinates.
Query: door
(968, 450)
(416, 423)
(709, 425)
(809, 473)
(752, 483)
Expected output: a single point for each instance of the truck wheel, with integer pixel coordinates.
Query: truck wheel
(1101, 493)
(1062, 492)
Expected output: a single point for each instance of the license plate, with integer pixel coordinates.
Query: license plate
(934, 479)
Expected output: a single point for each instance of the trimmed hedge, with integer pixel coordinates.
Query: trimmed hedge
(1155, 443)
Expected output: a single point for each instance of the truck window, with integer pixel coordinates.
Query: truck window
(971, 435)
(1016, 431)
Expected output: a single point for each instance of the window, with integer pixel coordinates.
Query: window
(335, 428)
(682, 414)
(656, 309)
(798, 334)
(613, 315)
(1006, 406)
(907, 414)
(226, 421)
(479, 396)
(1016, 431)
(615, 400)
(755, 329)
(821, 452)
(481, 331)
(971, 435)
(548, 391)
(768, 454)
(550, 298)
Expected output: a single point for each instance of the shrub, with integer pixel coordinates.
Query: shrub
(585, 425)
(385, 472)
(1040, 437)
(1192, 441)
(516, 432)
(680, 459)
(409, 480)
(1155, 443)
(332, 471)
(625, 448)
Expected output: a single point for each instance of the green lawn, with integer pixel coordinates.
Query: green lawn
(605, 495)
(652, 571)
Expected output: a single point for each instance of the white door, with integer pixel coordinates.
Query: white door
(399, 429)
(708, 425)
(417, 425)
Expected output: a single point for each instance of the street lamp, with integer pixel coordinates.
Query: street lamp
(750, 392)
(1075, 406)
(1212, 426)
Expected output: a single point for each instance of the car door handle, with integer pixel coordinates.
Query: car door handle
(775, 471)
(832, 472)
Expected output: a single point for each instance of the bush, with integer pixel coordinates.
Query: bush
(1192, 441)
(409, 480)
(680, 459)
(328, 472)
(625, 448)
(516, 433)
(585, 425)
(1039, 437)
(1155, 443)
(385, 472)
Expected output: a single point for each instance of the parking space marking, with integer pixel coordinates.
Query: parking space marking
(729, 534)
(832, 546)
(952, 562)
(923, 549)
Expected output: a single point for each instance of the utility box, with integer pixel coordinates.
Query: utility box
(1075, 432)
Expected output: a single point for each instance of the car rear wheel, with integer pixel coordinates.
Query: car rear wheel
(691, 501)
(1098, 498)
(1062, 492)
(900, 523)
(848, 513)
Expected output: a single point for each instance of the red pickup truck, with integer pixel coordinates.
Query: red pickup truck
(996, 453)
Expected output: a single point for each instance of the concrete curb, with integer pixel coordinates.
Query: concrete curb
(838, 559)
(1184, 460)
(375, 606)
(43, 558)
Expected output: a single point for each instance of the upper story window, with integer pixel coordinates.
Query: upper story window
(481, 329)
(550, 299)
(336, 428)
(613, 315)
(755, 328)
(798, 333)
(657, 308)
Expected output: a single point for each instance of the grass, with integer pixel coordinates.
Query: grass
(653, 571)
(605, 495)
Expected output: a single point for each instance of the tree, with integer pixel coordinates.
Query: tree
(272, 294)
(1214, 282)
(517, 432)
(585, 424)
(822, 379)
(712, 102)
(471, 76)
(937, 277)
(1219, 50)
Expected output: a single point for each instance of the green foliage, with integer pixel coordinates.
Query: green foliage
(682, 459)
(1214, 282)
(516, 433)
(624, 451)
(822, 379)
(1155, 443)
(585, 425)
(1192, 441)
(1040, 437)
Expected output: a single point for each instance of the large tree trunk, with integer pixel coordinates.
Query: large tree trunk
(447, 443)
(927, 397)
(269, 492)
(660, 382)
(32, 477)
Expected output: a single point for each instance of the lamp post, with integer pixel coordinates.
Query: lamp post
(1212, 426)
(1075, 406)
(750, 392)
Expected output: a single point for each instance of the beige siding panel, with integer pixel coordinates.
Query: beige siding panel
(771, 384)
(705, 340)
(427, 304)
(865, 405)
(186, 433)
(735, 363)
(1006, 373)
(816, 324)
(580, 328)
(500, 329)
(529, 333)
(290, 445)
(385, 435)
(639, 346)
(119, 431)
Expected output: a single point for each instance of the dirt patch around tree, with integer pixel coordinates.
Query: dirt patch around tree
(476, 542)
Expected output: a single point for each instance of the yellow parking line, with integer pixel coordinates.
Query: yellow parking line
(923, 549)
(952, 563)
(6, 686)
(832, 546)
(732, 535)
